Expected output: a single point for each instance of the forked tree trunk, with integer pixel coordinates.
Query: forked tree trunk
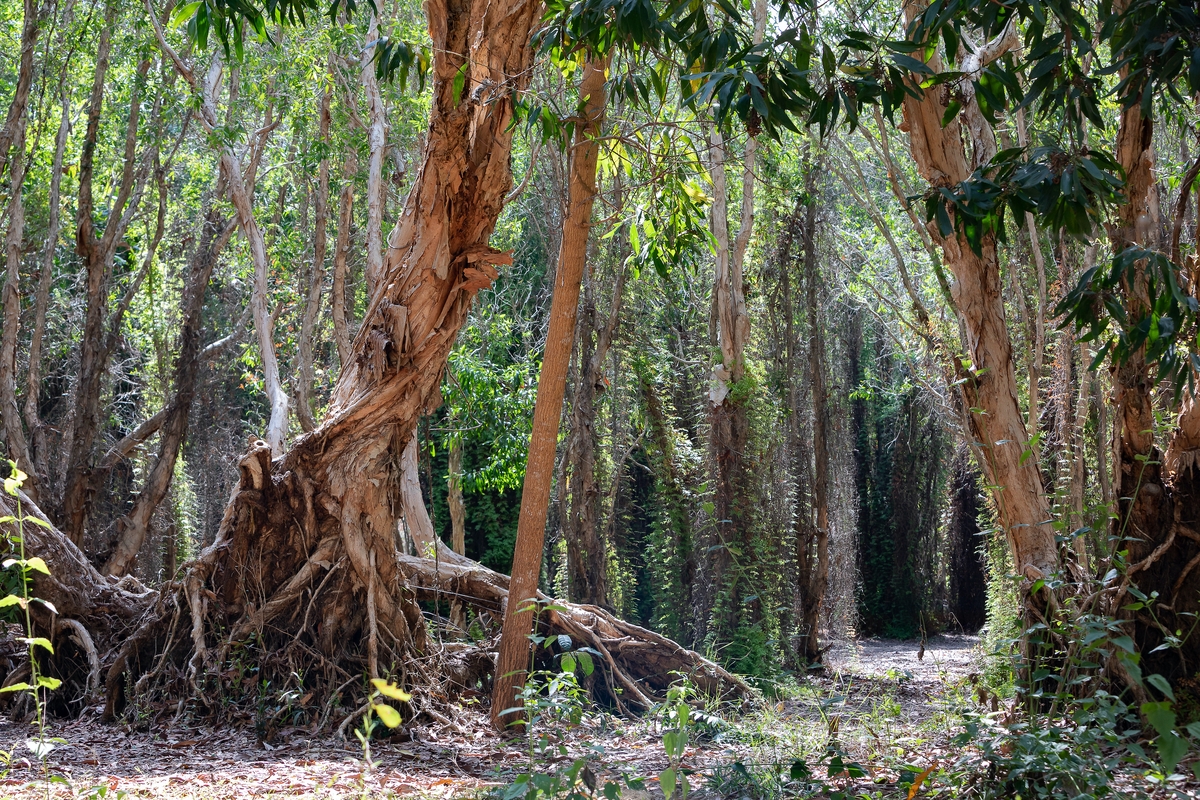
(990, 388)
(97, 253)
(133, 527)
(513, 661)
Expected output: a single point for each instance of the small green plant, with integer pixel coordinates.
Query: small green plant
(24, 567)
(676, 717)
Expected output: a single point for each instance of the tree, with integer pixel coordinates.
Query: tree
(513, 659)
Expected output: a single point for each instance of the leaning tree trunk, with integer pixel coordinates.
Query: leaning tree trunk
(990, 387)
(513, 660)
(305, 558)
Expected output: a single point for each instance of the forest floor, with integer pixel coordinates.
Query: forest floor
(886, 705)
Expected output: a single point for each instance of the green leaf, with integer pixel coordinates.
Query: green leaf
(585, 660)
(567, 662)
(1160, 716)
(387, 715)
(46, 682)
(1124, 642)
(951, 112)
(37, 565)
(39, 641)
(666, 781)
(1160, 683)
(1171, 750)
(16, 687)
(460, 79)
(12, 600)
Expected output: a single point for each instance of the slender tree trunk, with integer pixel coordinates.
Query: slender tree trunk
(454, 497)
(376, 141)
(14, 122)
(527, 558)
(990, 387)
(312, 307)
(341, 329)
(33, 387)
(819, 579)
(214, 234)
(412, 502)
(10, 416)
(587, 551)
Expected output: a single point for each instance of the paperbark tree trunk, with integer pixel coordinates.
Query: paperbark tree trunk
(337, 300)
(319, 524)
(376, 142)
(14, 121)
(33, 419)
(214, 234)
(818, 578)
(454, 497)
(728, 421)
(990, 387)
(513, 659)
(10, 415)
(312, 308)
(587, 553)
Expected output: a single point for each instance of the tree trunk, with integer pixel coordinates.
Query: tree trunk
(990, 388)
(376, 142)
(14, 122)
(539, 467)
(133, 527)
(587, 552)
(454, 497)
(10, 415)
(312, 308)
(412, 502)
(337, 301)
(33, 419)
(818, 579)
(319, 524)
(97, 254)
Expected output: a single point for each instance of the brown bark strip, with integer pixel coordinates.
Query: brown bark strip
(14, 122)
(527, 558)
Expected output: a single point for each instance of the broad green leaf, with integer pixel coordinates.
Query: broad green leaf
(666, 781)
(38, 565)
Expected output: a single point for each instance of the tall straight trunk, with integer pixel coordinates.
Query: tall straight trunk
(376, 143)
(587, 551)
(341, 248)
(33, 385)
(990, 388)
(818, 578)
(729, 424)
(10, 415)
(97, 253)
(14, 121)
(214, 234)
(513, 658)
(454, 497)
(312, 308)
